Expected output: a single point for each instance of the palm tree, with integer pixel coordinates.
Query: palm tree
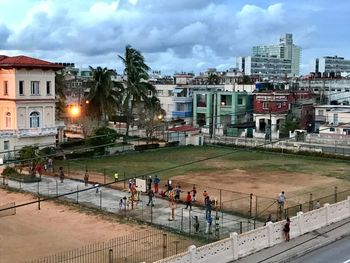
(104, 98)
(213, 79)
(137, 88)
(60, 90)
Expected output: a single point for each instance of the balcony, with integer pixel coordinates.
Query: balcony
(35, 132)
(182, 99)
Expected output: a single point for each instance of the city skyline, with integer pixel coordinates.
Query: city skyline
(173, 36)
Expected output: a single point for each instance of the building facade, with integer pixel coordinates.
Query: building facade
(27, 103)
(219, 112)
(330, 66)
(332, 119)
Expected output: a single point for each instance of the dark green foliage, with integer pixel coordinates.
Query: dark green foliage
(146, 146)
(77, 155)
(103, 136)
(73, 143)
(9, 171)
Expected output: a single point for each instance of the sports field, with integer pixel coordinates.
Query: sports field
(264, 174)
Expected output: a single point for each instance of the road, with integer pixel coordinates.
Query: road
(337, 252)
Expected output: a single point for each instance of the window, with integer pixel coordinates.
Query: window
(48, 87)
(240, 101)
(320, 112)
(278, 105)
(266, 105)
(34, 88)
(21, 87)
(6, 91)
(6, 145)
(332, 129)
(8, 120)
(34, 119)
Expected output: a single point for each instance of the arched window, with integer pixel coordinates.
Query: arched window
(8, 120)
(34, 119)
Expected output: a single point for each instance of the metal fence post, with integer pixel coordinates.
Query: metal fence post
(38, 202)
(56, 188)
(110, 256)
(164, 245)
(240, 227)
(77, 194)
(310, 202)
(335, 194)
(100, 199)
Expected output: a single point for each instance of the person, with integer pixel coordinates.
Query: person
(286, 229)
(150, 197)
(116, 177)
(207, 203)
(97, 185)
(281, 200)
(156, 183)
(194, 192)
(205, 195)
(196, 223)
(209, 223)
(61, 174)
(149, 182)
(177, 193)
(268, 219)
(189, 201)
(317, 205)
(138, 190)
(162, 194)
(50, 165)
(86, 178)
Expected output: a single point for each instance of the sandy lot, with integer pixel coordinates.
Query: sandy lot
(33, 233)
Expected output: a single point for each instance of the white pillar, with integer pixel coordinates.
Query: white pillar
(234, 240)
(192, 249)
(300, 218)
(269, 228)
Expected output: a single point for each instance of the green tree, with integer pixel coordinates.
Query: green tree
(29, 155)
(60, 94)
(213, 79)
(103, 136)
(291, 123)
(152, 117)
(104, 96)
(136, 86)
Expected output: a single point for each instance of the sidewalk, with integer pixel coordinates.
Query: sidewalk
(108, 199)
(299, 246)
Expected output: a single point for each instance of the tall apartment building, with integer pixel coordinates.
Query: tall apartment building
(266, 60)
(329, 66)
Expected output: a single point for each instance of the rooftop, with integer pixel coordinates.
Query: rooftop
(26, 62)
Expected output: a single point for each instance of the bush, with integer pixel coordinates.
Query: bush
(172, 144)
(9, 171)
(146, 146)
(72, 143)
(102, 136)
(84, 154)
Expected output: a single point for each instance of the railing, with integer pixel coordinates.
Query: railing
(28, 132)
(183, 99)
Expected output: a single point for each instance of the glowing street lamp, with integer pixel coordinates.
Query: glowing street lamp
(75, 111)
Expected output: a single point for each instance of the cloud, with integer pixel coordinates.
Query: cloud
(172, 35)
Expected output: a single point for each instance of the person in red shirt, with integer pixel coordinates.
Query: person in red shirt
(188, 201)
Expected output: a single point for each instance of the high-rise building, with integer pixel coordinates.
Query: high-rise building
(284, 50)
(329, 66)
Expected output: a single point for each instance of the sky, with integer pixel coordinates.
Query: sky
(173, 35)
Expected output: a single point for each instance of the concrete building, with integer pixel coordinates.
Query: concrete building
(266, 67)
(266, 60)
(332, 120)
(27, 103)
(219, 112)
(272, 107)
(330, 66)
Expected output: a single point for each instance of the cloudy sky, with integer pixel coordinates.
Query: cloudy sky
(173, 35)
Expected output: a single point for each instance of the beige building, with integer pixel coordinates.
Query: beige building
(27, 103)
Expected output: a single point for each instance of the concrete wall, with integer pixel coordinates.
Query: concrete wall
(237, 246)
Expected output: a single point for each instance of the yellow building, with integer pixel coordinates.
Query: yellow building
(27, 103)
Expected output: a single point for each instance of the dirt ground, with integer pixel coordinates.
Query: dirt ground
(33, 233)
